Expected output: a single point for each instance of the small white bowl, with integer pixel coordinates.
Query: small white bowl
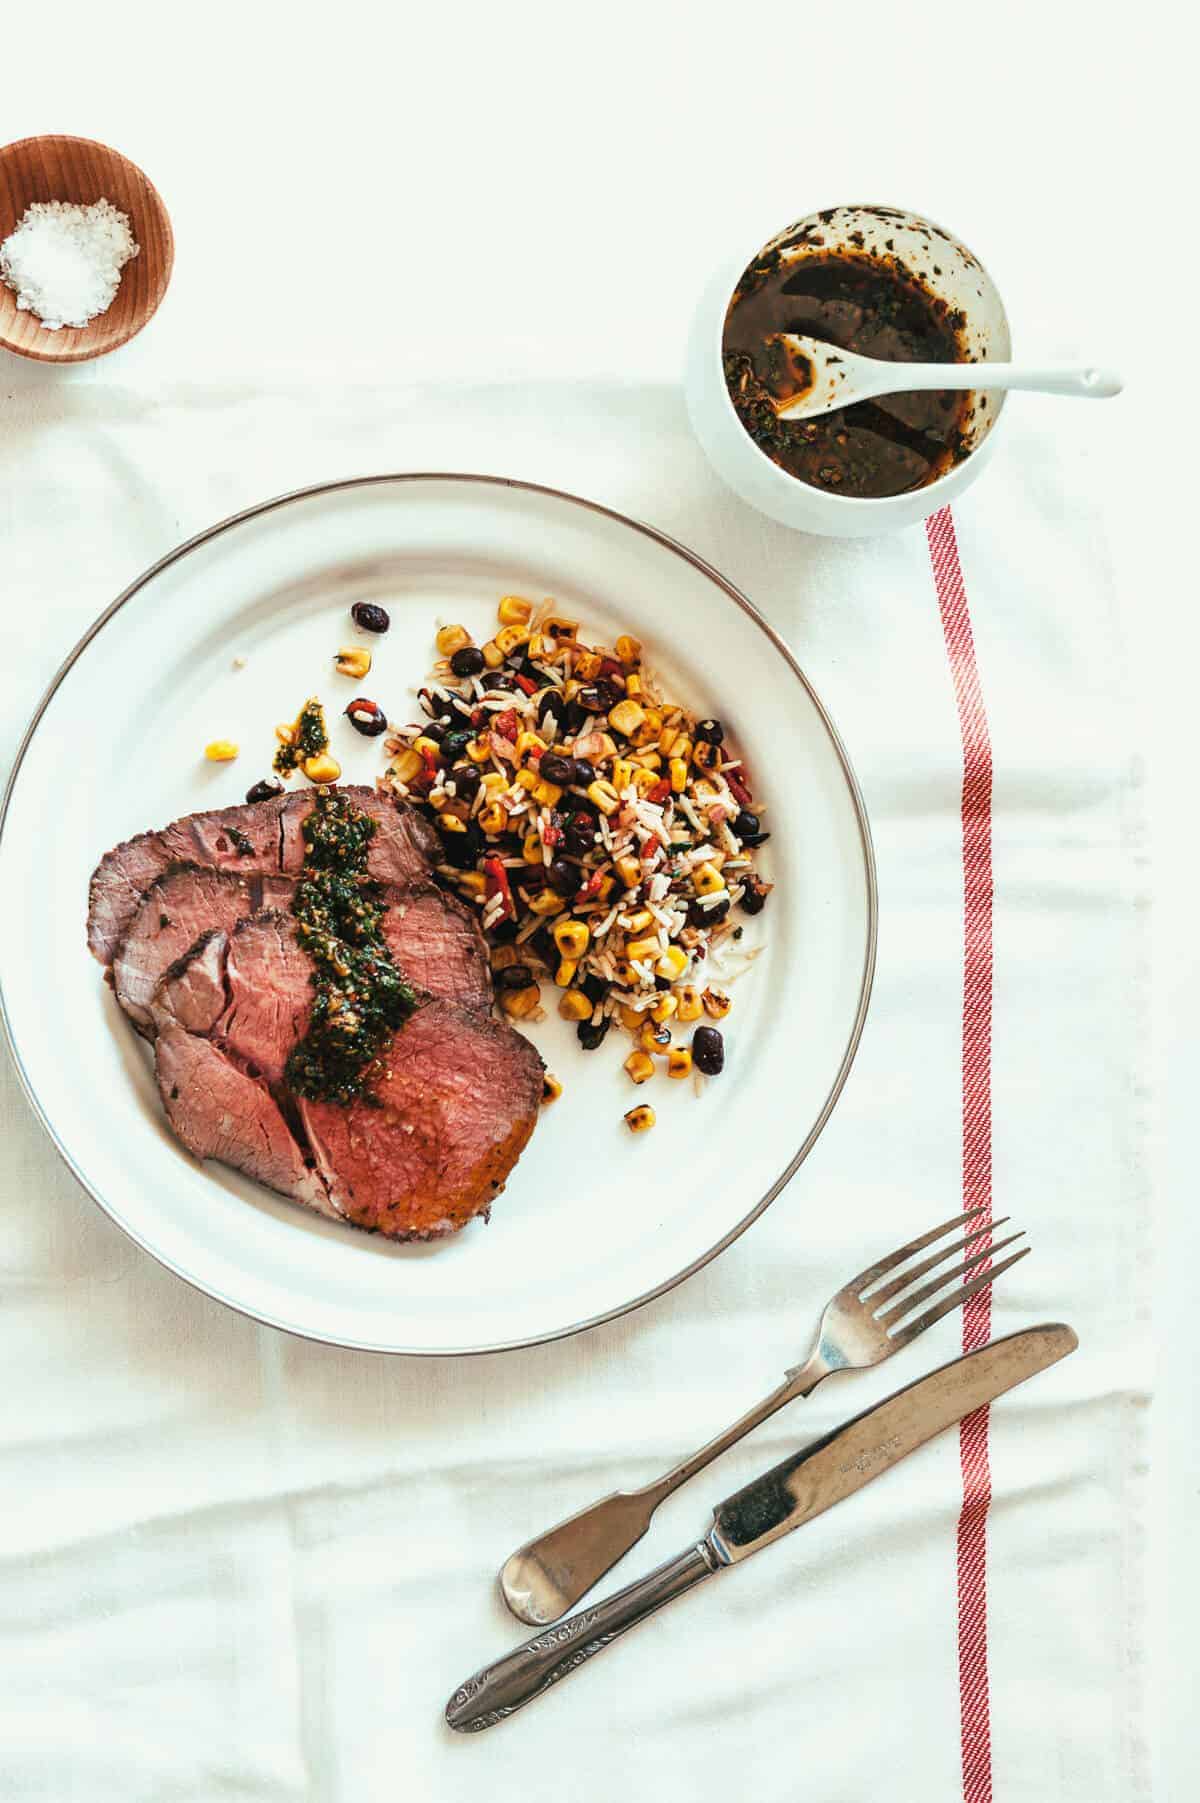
(949, 271)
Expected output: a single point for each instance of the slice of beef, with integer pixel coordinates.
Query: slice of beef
(452, 1114)
(178, 907)
(192, 992)
(259, 838)
(402, 850)
(438, 944)
(218, 1111)
(268, 987)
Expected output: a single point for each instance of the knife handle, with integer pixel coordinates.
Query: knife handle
(503, 1687)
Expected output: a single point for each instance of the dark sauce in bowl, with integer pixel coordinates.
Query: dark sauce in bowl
(861, 303)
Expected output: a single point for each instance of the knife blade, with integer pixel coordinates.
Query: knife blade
(791, 1493)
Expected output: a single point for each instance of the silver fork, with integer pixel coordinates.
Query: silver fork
(548, 1575)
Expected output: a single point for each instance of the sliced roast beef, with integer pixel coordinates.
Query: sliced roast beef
(438, 945)
(259, 838)
(444, 1127)
(218, 1111)
(449, 1114)
(178, 907)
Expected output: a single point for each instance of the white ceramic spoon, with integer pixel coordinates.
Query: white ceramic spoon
(836, 378)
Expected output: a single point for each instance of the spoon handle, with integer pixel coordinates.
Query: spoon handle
(1083, 380)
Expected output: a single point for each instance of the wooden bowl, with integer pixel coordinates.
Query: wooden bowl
(79, 170)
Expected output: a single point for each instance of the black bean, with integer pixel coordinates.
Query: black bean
(265, 790)
(463, 850)
(370, 617)
(454, 745)
(469, 661)
(557, 769)
(712, 730)
(591, 1036)
(746, 822)
(595, 988)
(750, 840)
(754, 896)
(434, 731)
(708, 1051)
(582, 773)
(574, 719)
(551, 706)
(706, 917)
(561, 876)
(579, 833)
(600, 696)
(514, 976)
(366, 717)
(503, 681)
(466, 782)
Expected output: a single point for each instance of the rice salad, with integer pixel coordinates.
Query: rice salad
(606, 835)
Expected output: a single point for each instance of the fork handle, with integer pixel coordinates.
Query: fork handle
(504, 1686)
(801, 1381)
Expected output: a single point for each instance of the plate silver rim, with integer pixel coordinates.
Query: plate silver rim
(864, 831)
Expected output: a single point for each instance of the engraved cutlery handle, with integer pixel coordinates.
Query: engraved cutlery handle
(501, 1688)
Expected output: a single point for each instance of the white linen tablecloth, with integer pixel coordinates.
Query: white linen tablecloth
(236, 1564)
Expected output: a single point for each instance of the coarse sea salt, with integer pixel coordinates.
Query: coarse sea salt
(64, 262)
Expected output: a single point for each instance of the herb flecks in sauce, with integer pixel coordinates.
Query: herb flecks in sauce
(861, 303)
(360, 996)
(309, 738)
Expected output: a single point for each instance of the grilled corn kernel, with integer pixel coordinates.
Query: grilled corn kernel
(633, 683)
(474, 882)
(547, 902)
(705, 791)
(492, 783)
(605, 889)
(564, 976)
(665, 1007)
(407, 765)
(285, 734)
(640, 1066)
(587, 666)
(642, 951)
(708, 880)
(514, 611)
(627, 716)
(627, 649)
(509, 637)
(426, 748)
(650, 759)
(640, 1120)
(575, 1006)
(637, 923)
(451, 639)
(493, 657)
(652, 1037)
(531, 848)
(624, 973)
(570, 689)
(621, 774)
(629, 871)
(647, 733)
(668, 738)
(682, 748)
(527, 777)
(493, 819)
(672, 964)
(596, 747)
(479, 751)
(504, 955)
(353, 660)
(707, 755)
(527, 742)
(551, 1088)
(679, 1062)
(716, 1004)
(604, 796)
(631, 1019)
(547, 795)
(220, 751)
(322, 769)
(677, 769)
(690, 1005)
(571, 937)
(556, 627)
(520, 1003)
(538, 646)
(450, 823)
(645, 780)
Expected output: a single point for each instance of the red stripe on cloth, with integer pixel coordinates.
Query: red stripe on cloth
(976, 1139)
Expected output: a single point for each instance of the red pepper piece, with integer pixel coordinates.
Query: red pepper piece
(505, 724)
(658, 794)
(496, 883)
(527, 685)
(610, 667)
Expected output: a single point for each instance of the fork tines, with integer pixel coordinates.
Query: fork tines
(976, 1267)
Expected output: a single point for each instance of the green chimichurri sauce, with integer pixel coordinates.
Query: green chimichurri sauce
(360, 994)
(310, 738)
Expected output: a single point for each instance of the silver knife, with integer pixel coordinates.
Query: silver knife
(804, 1485)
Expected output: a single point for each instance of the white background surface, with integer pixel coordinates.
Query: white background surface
(540, 190)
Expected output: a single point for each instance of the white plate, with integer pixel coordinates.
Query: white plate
(594, 1220)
